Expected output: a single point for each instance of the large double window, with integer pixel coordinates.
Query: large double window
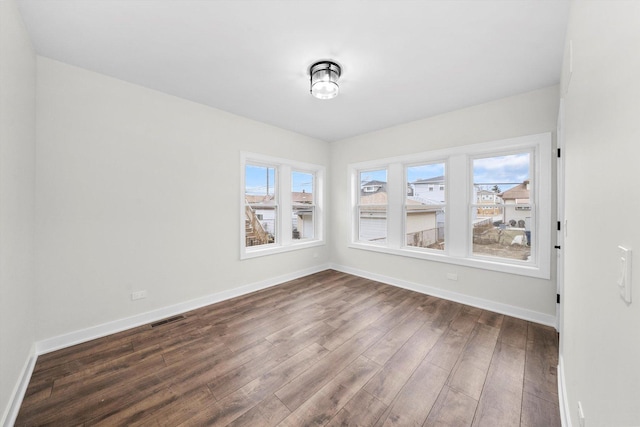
(484, 205)
(281, 206)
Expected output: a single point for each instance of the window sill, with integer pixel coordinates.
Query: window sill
(264, 250)
(485, 264)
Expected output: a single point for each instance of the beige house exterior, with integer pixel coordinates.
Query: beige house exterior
(421, 222)
(517, 208)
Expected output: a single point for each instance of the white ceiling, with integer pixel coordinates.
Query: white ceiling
(401, 60)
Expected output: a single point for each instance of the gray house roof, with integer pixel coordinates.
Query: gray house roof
(434, 180)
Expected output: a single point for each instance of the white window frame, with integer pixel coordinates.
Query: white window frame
(458, 241)
(284, 227)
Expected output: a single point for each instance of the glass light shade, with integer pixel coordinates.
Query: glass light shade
(325, 90)
(324, 79)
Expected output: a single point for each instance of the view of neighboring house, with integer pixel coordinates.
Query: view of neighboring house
(260, 221)
(486, 197)
(501, 222)
(430, 188)
(374, 186)
(425, 199)
(424, 225)
(517, 210)
(373, 211)
(302, 215)
(487, 201)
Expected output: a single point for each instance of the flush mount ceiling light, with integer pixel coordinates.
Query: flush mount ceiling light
(324, 79)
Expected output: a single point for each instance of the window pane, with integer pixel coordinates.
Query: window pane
(426, 184)
(372, 226)
(425, 204)
(373, 187)
(302, 222)
(260, 205)
(260, 225)
(502, 211)
(302, 198)
(302, 187)
(425, 227)
(497, 239)
(259, 184)
(372, 214)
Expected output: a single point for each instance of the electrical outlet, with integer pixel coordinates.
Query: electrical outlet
(580, 415)
(138, 295)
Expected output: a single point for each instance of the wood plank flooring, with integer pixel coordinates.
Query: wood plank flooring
(327, 349)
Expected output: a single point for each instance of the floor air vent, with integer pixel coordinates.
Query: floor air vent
(167, 320)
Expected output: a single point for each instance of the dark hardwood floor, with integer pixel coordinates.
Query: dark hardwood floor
(327, 349)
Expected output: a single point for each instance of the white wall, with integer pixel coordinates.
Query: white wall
(601, 334)
(139, 190)
(17, 176)
(524, 114)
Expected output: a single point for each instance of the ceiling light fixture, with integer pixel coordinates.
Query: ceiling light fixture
(324, 79)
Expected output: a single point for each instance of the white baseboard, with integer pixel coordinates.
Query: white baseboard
(510, 310)
(11, 412)
(563, 401)
(88, 334)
